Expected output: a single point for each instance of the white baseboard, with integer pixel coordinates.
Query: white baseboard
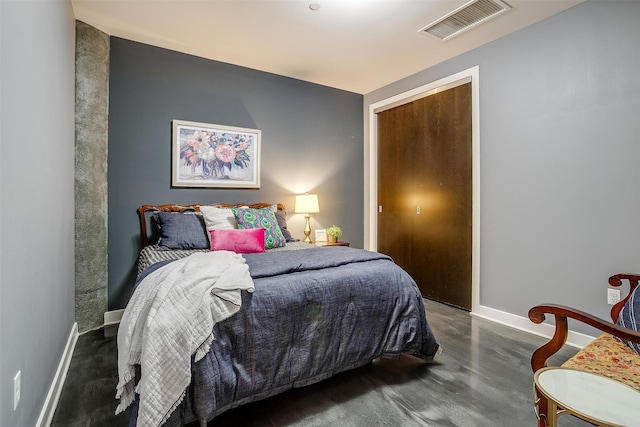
(51, 402)
(113, 317)
(575, 339)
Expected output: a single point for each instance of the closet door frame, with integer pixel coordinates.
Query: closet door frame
(371, 206)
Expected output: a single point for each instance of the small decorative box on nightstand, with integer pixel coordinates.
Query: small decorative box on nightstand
(332, 244)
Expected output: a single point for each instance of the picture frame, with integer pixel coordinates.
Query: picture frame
(321, 235)
(214, 156)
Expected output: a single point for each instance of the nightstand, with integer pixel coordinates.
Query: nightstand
(332, 244)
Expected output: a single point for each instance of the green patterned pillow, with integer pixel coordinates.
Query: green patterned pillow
(261, 218)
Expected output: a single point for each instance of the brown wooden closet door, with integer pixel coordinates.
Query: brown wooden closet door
(425, 191)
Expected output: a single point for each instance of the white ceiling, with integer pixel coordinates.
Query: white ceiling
(355, 45)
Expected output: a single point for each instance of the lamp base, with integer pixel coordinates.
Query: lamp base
(307, 229)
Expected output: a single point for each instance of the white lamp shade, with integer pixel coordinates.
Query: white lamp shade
(307, 203)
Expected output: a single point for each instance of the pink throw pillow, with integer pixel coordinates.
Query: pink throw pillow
(245, 241)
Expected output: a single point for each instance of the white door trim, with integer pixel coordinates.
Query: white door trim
(371, 211)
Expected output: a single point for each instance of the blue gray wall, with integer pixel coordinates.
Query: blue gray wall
(560, 145)
(312, 140)
(36, 199)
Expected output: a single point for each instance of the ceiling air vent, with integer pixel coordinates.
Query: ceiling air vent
(465, 18)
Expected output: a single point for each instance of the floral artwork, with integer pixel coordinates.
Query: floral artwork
(207, 155)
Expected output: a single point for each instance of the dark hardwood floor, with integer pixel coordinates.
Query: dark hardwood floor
(482, 378)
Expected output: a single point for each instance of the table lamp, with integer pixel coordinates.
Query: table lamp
(307, 204)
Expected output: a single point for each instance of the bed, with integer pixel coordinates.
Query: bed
(264, 319)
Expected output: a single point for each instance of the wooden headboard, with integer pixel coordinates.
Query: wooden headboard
(145, 211)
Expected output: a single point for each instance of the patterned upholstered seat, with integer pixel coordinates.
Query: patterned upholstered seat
(610, 358)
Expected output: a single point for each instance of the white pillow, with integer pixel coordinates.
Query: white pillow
(218, 218)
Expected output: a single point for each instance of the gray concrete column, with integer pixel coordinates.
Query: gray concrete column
(92, 108)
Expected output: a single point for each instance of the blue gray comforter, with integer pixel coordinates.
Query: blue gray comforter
(314, 313)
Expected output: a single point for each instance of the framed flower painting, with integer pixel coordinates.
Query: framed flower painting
(206, 155)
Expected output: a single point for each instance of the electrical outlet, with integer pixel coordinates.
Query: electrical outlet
(16, 390)
(613, 296)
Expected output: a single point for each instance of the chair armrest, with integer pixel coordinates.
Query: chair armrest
(562, 314)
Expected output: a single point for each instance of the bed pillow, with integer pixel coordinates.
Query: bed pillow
(218, 218)
(282, 223)
(630, 317)
(261, 218)
(246, 241)
(181, 231)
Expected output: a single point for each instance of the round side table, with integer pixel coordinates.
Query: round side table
(590, 397)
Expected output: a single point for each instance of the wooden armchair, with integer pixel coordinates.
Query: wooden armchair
(588, 358)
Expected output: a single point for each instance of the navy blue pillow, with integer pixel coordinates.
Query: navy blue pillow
(282, 223)
(181, 231)
(630, 317)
